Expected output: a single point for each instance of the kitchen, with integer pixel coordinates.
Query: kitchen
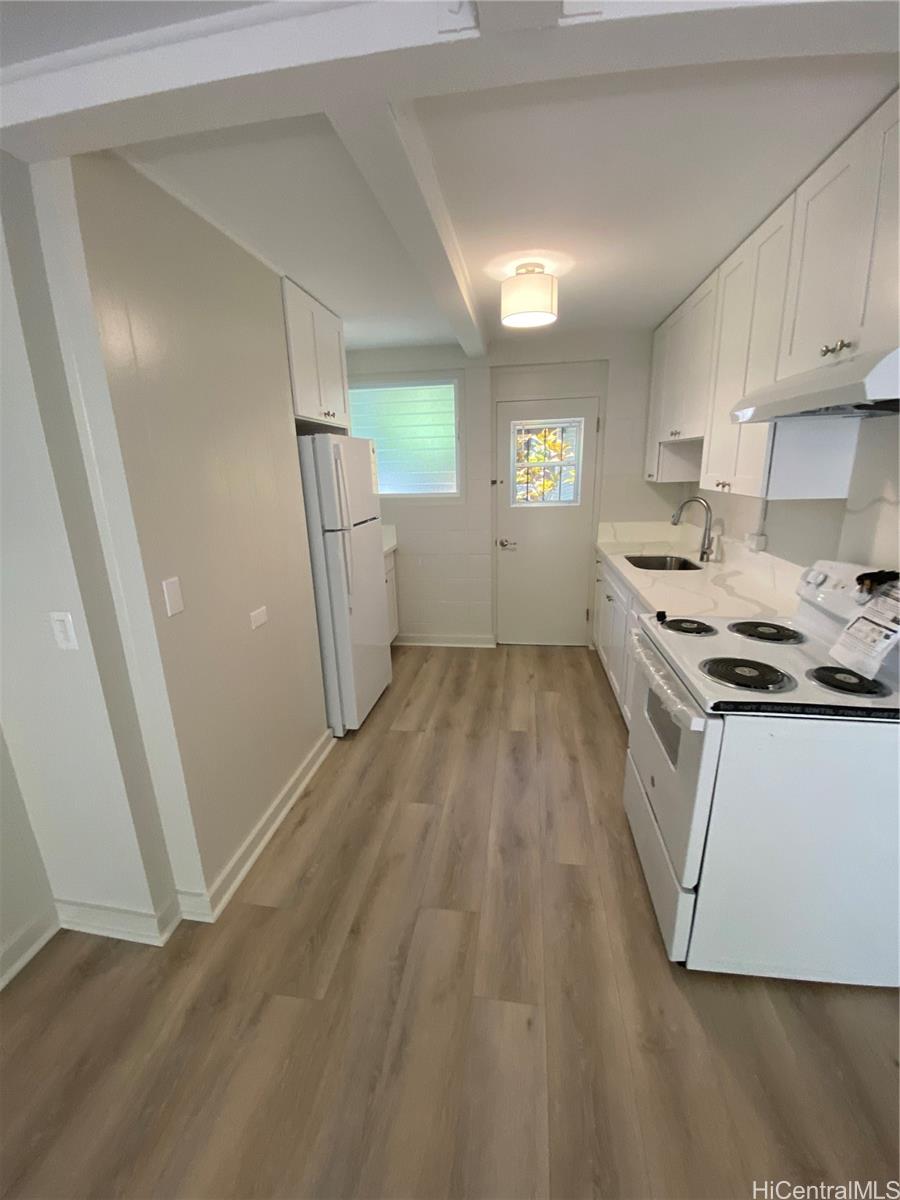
(427, 496)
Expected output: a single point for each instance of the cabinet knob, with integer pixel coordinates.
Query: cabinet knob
(609, 598)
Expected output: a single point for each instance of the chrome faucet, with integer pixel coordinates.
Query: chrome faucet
(706, 543)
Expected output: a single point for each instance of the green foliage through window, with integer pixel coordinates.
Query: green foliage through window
(414, 431)
(547, 462)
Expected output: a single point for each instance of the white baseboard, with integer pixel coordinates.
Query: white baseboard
(484, 642)
(21, 948)
(131, 925)
(197, 906)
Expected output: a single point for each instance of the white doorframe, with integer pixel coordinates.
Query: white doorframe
(556, 397)
(548, 381)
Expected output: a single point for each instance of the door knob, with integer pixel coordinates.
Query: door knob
(505, 543)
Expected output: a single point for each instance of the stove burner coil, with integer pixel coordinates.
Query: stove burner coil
(846, 681)
(747, 673)
(766, 631)
(688, 625)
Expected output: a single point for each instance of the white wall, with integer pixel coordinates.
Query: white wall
(445, 546)
(27, 912)
(193, 340)
(52, 704)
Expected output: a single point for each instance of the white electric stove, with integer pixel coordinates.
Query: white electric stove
(762, 790)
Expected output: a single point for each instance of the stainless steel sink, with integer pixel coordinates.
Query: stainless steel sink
(661, 562)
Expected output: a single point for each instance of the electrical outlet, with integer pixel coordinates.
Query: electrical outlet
(258, 617)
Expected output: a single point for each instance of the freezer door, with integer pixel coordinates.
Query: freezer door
(355, 560)
(347, 480)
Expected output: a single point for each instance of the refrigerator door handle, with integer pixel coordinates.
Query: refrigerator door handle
(348, 565)
(343, 497)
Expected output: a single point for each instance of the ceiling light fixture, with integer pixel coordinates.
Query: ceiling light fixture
(528, 298)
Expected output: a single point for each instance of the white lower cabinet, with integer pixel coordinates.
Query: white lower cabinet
(390, 583)
(616, 610)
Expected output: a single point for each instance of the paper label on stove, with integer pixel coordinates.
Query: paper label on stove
(869, 637)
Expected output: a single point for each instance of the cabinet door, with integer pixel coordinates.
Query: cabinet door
(878, 322)
(299, 320)
(605, 609)
(390, 583)
(830, 252)
(654, 414)
(615, 667)
(673, 375)
(332, 370)
(630, 623)
(771, 251)
(596, 622)
(748, 327)
(695, 372)
(734, 311)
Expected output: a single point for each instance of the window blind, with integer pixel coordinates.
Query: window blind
(414, 431)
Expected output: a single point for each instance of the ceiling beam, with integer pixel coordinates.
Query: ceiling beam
(377, 52)
(389, 148)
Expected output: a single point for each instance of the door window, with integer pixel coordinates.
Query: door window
(546, 462)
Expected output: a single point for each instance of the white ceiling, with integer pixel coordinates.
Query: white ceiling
(290, 191)
(645, 180)
(30, 29)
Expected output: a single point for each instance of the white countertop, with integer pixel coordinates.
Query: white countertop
(389, 538)
(743, 584)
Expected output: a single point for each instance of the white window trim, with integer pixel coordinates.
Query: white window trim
(423, 379)
(513, 464)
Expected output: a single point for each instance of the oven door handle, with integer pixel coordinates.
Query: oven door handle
(675, 703)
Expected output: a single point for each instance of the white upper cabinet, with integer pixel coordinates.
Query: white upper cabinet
(685, 377)
(748, 329)
(842, 289)
(878, 324)
(695, 367)
(315, 343)
(329, 331)
(654, 414)
(819, 274)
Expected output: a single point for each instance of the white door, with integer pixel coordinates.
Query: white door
(546, 466)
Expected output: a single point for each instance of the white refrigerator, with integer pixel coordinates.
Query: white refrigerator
(343, 517)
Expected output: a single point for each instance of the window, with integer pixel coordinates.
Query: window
(546, 466)
(414, 430)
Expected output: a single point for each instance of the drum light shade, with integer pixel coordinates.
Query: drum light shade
(528, 298)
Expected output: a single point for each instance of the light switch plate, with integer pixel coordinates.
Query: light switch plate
(258, 617)
(172, 594)
(64, 630)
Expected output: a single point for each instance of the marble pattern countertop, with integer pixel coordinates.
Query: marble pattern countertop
(389, 538)
(741, 584)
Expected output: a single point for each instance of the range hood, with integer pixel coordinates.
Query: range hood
(864, 386)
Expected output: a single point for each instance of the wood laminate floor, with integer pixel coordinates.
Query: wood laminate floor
(442, 978)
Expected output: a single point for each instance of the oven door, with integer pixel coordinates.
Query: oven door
(675, 749)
